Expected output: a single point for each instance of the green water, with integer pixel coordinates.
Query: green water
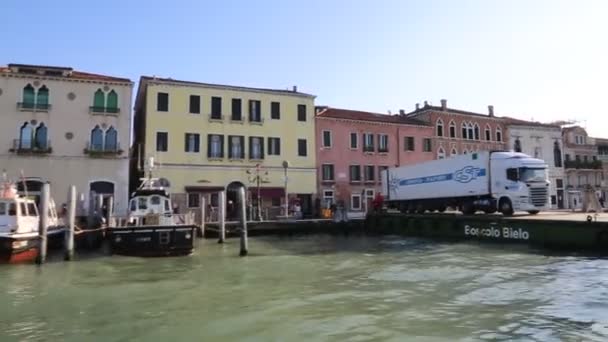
(317, 288)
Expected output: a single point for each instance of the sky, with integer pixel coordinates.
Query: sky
(543, 60)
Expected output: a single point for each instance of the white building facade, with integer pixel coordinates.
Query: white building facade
(544, 142)
(66, 127)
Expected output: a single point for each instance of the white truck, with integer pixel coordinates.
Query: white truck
(487, 181)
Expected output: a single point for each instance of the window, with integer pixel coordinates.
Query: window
(111, 140)
(512, 175)
(453, 152)
(440, 153)
(427, 145)
(328, 198)
(155, 200)
(142, 203)
(235, 147)
(585, 159)
(12, 209)
(31, 209)
(162, 141)
(302, 151)
(355, 202)
(580, 139)
(476, 128)
(194, 200)
(470, 131)
(382, 143)
(369, 195)
(439, 127)
(2, 208)
(254, 111)
(216, 107)
(452, 129)
(559, 183)
(301, 112)
(40, 137)
(112, 106)
(275, 110)
(354, 142)
(99, 100)
(517, 145)
(256, 148)
(488, 133)
(237, 114)
(355, 173)
(42, 100)
(370, 173)
(408, 143)
(192, 143)
(498, 134)
(29, 96)
(195, 104)
(538, 153)
(326, 138)
(162, 102)
(97, 139)
(274, 146)
(368, 142)
(465, 134)
(327, 171)
(215, 146)
(26, 136)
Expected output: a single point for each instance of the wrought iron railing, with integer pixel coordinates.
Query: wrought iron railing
(31, 147)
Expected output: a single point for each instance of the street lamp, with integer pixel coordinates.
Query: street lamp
(258, 176)
(285, 166)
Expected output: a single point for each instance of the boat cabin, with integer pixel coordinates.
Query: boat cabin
(17, 214)
(151, 202)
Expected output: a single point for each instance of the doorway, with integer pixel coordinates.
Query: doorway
(560, 199)
(232, 200)
(305, 204)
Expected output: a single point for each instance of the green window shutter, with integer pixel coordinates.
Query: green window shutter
(43, 96)
(112, 101)
(28, 96)
(99, 100)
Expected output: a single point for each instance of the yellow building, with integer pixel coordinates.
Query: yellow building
(208, 138)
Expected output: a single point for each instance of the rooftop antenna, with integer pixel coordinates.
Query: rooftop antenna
(140, 161)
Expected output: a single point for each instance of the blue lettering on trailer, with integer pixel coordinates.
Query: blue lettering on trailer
(464, 175)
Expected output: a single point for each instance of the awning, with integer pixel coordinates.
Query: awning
(204, 188)
(272, 192)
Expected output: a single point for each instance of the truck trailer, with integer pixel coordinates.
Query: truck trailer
(486, 181)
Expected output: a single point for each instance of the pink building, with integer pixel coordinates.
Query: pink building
(460, 132)
(353, 147)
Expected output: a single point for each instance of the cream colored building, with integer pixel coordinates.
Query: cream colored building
(208, 138)
(68, 128)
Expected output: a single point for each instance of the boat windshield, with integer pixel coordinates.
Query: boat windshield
(142, 203)
(2, 208)
(31, 209)
(12, 209)
(155, 200)
(527, 174)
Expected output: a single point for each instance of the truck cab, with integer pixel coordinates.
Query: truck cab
(519, 182)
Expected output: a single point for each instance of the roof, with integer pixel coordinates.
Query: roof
(447, 110)
(145, 79)
(518, 122)
(337, 113)
(71, 73)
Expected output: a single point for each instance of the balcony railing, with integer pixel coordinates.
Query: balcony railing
(103, 110)
(33, 107)
(579, 164)
(100, 151)
(216, 118)
(368, 148)
(256, 121)
(31, 147)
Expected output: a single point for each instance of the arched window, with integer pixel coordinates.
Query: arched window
(440, 153)
(40, 137)
(111, 142)
(452, 129)
(454, 152)
(470, 129)
(476, 131)
(439, 127)
(96, 139)
(25, 136)
(517, 145)
(464, 130)
(29, 98)
(557, 154)
(112, 102)
(42, 100)
(488, 133)
(99, 100)
(498, 134)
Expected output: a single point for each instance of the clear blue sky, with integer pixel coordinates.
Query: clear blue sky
(530, 59)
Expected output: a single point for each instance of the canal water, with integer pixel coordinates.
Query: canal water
(315, 288)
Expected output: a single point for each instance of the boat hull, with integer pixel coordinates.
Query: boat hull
(152, 241)
(14, 250)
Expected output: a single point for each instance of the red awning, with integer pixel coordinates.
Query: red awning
(204, 188)
(267, 191)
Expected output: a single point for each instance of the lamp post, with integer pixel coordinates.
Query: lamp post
(285, 166)
(257, 176)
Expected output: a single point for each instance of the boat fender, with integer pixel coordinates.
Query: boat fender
(589, 218)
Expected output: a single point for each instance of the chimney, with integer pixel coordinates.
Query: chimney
(444, 104)
(295, 89)
(491, 111)
(426, 103)
(402, 112)
(417, 106)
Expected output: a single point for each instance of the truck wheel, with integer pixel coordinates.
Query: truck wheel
(468, 208)
(506, 208)
(533, 212)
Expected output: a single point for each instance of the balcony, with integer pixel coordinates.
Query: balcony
(31, 147)
(583, 165)
(368, 148)
(99, 151)
(103, 111)
(216, 118)
(33, 107)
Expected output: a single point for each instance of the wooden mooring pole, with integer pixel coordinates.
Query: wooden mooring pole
(109, 211)
(222, 214)
(201, 231)
(71, 225)
(43, 222)
(244, 243)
